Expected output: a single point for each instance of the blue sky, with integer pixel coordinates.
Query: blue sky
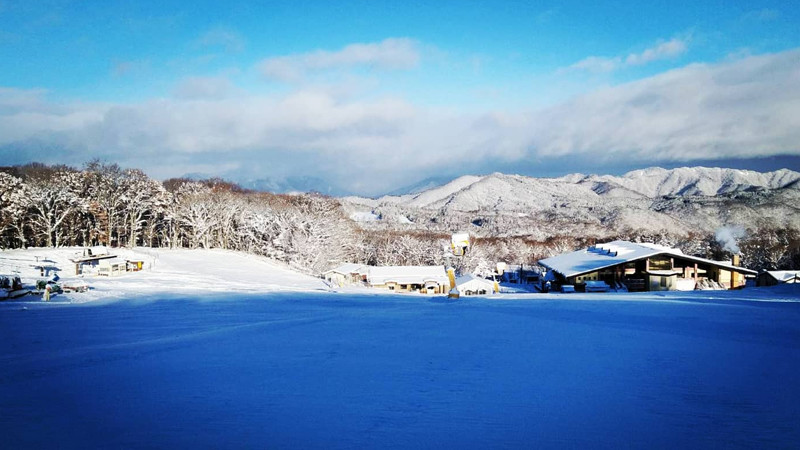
(366, 97)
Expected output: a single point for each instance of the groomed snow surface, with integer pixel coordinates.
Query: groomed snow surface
(158, 361)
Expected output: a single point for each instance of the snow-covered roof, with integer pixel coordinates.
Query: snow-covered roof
(112, 261)
(460, 239)
(406, 274)
(784, 275)
(613, 253)
(472, 280)
(347, 269)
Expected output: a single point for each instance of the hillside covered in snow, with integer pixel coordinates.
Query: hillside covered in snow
(165, 272)
(683, 200)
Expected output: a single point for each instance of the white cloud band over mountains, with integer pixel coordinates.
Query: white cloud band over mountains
(743, 108)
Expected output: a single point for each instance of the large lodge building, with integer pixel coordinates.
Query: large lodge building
(643, 267)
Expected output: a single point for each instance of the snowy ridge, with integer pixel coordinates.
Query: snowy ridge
(440, 193)
(655, 199)
(657, 182)
(424, 198)
(509, 192)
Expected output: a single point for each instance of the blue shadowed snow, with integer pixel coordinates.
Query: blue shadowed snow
(355, 371)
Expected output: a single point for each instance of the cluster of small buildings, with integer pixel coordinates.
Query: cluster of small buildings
(421, 279)
(99, 261)
(617, 266)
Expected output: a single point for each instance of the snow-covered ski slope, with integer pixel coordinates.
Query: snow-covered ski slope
(166, 273)
(303, 369)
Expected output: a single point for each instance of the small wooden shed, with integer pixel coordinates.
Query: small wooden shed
(112, 267)
(776, 277)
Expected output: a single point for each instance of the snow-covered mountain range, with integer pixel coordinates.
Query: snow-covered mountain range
(677, 200)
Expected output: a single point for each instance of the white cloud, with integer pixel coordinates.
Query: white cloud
(392, 53)
(661, 50)
(13, 99)
(27, 114)
(597, 64)
(204, 87)
(743, 108)
(228, 40)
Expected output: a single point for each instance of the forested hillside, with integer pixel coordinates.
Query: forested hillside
(103, 204)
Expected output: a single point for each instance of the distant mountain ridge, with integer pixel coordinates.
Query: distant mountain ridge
(650, 183)
(658, 182)
(642, 199)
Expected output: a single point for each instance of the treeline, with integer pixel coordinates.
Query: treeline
(103, 204)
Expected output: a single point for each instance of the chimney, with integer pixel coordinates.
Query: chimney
(735, 263)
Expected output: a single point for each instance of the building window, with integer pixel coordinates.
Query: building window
(660, 263)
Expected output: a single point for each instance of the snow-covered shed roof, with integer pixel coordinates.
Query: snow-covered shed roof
(115, 260)
(783, 276)
(347, 269)
(406, 274)
(601, 256)
(472, 281)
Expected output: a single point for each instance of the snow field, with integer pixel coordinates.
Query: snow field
(166, 272)
(218, 349)
(319, 370)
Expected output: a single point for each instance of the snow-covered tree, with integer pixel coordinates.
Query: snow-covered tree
(259, 229)
(147, 199)
(195, 213)
(52, 196)
(107, 191)
(13, 202)
(771, 248)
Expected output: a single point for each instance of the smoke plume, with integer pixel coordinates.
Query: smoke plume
(727, 237)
